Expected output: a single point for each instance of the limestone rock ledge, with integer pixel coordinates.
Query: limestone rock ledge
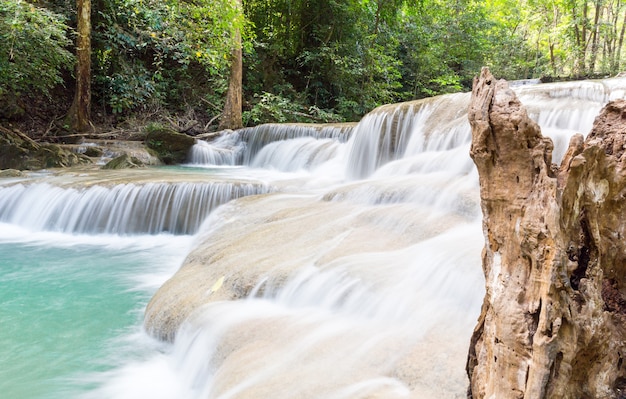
(18, 151)
(553, 321)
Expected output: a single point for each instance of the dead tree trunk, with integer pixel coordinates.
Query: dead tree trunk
(553, 322)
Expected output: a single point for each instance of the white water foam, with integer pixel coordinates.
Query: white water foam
(385, 281)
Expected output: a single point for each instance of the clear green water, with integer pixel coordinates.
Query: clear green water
(66, 306)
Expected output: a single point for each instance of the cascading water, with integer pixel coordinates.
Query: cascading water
(241, 147)
(150, 208)
(81, 253)
(358, 276)
(225, 150)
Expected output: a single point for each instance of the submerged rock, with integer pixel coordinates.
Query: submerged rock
(553, 321)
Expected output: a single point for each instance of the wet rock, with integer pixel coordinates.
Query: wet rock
(171, 147)
(554, 260)
(276, 249)
(93, 152)
(124, 161)
(18, 151)
(11, 173)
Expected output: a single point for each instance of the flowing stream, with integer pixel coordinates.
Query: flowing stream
(353, 253)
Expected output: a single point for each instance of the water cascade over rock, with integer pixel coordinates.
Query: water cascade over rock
(367, 275)
(111, 206)
(553, 321)
(322, 261)
(242, 147)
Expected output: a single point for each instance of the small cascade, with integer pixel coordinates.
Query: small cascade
(562, 109)
(402, 132)
(297, 154)
(394, 131)
(227, 149)
(259, 136)
(242, 146)
(150, 208)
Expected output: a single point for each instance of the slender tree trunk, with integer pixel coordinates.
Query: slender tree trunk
(551, 42)
(78, 117)
(618, 50)
(379, 5)
(584, 42)
(231, 117)
(552, 59)
(595, 37)
(611, 41)
(579, 62)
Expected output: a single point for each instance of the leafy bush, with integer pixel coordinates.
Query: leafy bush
(151, 52)
(33, 52)
(270, 108)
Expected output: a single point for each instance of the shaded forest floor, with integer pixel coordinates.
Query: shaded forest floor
(42, 119)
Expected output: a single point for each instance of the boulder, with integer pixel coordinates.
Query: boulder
(93, 152)
(124, 161)
(552, 323)
(171, 147)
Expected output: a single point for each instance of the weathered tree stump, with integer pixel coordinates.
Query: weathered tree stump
(553, 321)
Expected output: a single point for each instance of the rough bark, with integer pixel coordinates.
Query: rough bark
(78, 117)
(553, 318)
(231, 116)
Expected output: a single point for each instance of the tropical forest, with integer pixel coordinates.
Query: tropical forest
(307, 61)
(312, 199)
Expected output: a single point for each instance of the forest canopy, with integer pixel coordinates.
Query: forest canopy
(303, 60)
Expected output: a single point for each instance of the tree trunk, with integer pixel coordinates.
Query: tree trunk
(553, 316)
(78, 117)
(231, 117)
(581, 39)
(611, 42)
(552, 59)
(618, 50)
(595, 37)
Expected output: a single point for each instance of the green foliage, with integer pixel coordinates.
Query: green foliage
(33, 52)
(304, 60)
(271, 108)
(443, 46)
(339, 55)
(576, 38)
(156, 53)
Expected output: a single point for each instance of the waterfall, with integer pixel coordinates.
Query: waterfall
(365, 287)
(150, 208)
(564, 109)
(227, 149)
(259, 136)
(328, 261)
(242, 147)
(393, 132)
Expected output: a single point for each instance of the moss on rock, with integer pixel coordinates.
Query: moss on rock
(124, 162)
(170, 147)
(11, 173)
(18, 151)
